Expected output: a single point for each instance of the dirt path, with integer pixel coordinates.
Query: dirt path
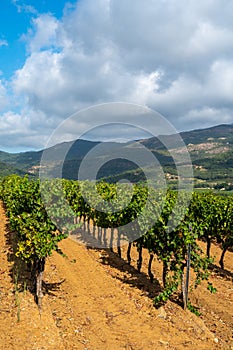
(98, 311)
(96, 302)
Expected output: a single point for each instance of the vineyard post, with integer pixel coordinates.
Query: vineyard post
(40, 265)
(187, 276)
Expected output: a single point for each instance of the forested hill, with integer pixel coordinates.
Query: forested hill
(211, 151)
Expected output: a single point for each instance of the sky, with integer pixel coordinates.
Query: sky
(59, 57)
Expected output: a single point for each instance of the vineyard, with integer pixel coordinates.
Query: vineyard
(119, 218)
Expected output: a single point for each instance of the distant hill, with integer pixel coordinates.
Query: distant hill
(211, 152)
(203, 135)
(7, 169)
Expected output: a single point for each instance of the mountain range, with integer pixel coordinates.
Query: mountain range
(210, 150)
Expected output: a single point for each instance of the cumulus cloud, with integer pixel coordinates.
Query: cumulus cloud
(3, 42)
(23, 131)
(175, 57)
(43, 34)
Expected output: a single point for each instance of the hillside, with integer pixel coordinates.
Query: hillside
(211, 152)
(7, 169)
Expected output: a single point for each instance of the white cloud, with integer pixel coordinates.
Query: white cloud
(12, 123)
(201, 118)
(25, 130)
(43, 34)
(24, 8)
(3, 42)
(220, 82)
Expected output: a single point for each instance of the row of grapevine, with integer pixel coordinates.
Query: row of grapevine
(208, 217)
(213, 214)
(41, 214)
(167, 239)
(36, 236)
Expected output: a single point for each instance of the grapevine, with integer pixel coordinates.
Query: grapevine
(41, 219)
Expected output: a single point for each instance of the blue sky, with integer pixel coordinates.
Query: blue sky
(58, 57)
